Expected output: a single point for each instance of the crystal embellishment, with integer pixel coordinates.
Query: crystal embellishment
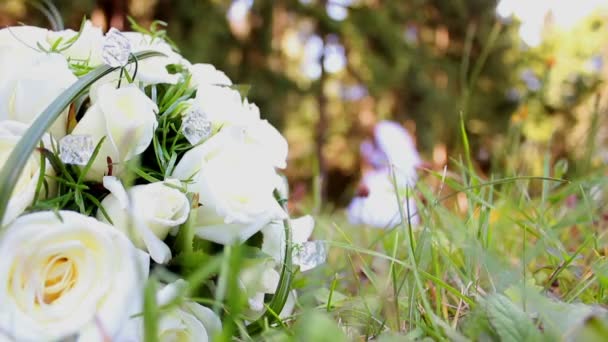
(196, 126)
(76, 149)
(116, 49)
(309, 255)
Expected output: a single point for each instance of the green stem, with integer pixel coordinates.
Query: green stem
(21, 153)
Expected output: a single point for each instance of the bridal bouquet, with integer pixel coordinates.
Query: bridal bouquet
(140, 197)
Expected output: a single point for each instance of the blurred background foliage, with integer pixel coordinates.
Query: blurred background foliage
(326, 71)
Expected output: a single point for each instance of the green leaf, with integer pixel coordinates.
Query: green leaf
(318, 327)
(243, 89)
(324, 296)
(594, 329)
(509, 321)
(21, 153)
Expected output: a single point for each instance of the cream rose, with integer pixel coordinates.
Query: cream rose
(29, 82)
(126, 117)
(25, 189)
(146, 213)
(235, 184)
(64, 274)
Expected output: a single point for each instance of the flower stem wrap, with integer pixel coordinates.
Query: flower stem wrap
(284, 287)
(21, 153)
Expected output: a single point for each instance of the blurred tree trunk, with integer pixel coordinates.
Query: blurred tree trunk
(115, 12)
(321, 132)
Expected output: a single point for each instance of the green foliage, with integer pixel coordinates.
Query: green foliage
(510, 322)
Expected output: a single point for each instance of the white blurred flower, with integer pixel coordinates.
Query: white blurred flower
(145, 213)
(380, 208)
(25, 188)
(126, 117)
(398, 147)
(64, 274)
(29, 82)
(235, 180)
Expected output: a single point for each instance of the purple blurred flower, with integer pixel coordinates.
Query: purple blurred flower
(532, 82)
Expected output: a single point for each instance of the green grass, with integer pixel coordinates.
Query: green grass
(520, 262)
(509, 258)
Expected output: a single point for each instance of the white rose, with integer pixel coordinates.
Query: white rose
(146, 213)
(126, 117)
(86, 48)
(25, 188)
(207, 74)
(273, 234)
(29, 82)
(23, 37)
(267, 139)
(224, 106)
(65, 274)
(235, 184)
(153, 70)
(262, 277)
(188, 321)
(258, 278)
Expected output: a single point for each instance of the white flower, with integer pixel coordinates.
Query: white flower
(153, 70)
(235, 184)
(224, 106)
(274, 236)
(150, 71)
(380, 207)
(268, 139)
(261, 277)
(25, 188)
(126, 117)
(64, 274)
(86, 48)
(145, 213)
(398, 148)
(29, 82)
(207, 74)
(23, 37)
(188, 321)
(257, 278)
